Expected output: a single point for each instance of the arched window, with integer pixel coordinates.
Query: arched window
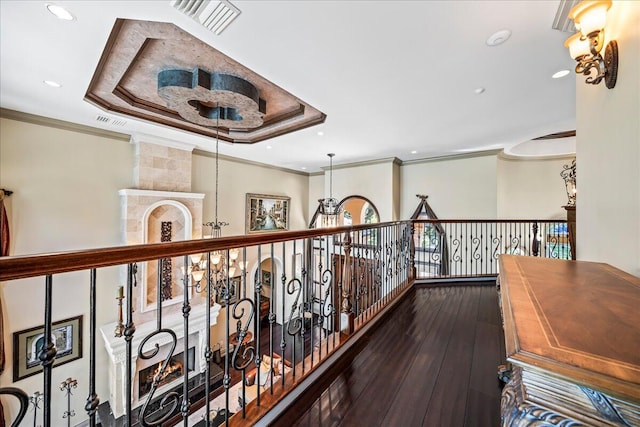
(354, 210)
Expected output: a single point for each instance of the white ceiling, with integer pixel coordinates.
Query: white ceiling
(392, 76)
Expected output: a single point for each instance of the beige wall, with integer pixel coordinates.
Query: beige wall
(374, 181)
(531, 188)
(236, 180)
(457, 187)
(65, 197)
(65, 185)
(608, 153)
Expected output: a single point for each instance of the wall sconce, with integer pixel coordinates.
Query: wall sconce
(590, 17)
(569, 175)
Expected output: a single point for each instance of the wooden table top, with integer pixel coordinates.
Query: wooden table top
(573, 319)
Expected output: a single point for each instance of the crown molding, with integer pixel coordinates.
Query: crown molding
(157, 140)
(212, 155)
(61, 124)
(453, 157)
(514, 158)
(393, 160)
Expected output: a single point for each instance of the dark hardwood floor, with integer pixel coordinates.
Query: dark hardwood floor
(432, 363)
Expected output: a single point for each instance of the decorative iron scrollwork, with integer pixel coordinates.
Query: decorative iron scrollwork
(22, 397)
(248, 352)
(294, 287)
(172, 397)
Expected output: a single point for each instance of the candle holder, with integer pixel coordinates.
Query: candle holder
(35, 400)
(119, 330)
(67, 385)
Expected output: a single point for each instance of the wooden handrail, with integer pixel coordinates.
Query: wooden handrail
(485, 221)
(24, 266)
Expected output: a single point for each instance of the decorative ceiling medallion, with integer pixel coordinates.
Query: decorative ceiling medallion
(157, 72)
(210, 96)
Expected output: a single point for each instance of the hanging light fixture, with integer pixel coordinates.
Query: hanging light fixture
(329, 209)
(221, 268)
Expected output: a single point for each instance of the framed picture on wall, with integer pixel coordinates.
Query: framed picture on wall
(234, 287)
(265, 213)
(27, 344)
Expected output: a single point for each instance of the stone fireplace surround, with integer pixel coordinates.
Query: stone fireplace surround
(116, 349)
(162, 175)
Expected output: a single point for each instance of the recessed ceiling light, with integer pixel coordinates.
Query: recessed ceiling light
(560, 74)
(414, 152)
(303, 168)
(269, 147)
(498, 37)
(52, 83)
(479, 90)
(60, 12)
(320, 133)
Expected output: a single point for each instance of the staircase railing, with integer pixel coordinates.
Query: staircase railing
(278, 304)
(470, 248)
(215, 331)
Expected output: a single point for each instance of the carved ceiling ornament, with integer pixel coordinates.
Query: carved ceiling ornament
(157, 72)
(201, 97)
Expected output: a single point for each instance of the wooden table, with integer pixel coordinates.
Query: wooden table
(572, 335)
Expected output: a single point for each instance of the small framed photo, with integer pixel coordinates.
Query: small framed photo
(266, 213)
(27, 344)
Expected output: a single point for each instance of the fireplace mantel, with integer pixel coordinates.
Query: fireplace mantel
(116, 349)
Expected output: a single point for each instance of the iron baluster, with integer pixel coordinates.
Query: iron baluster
(207, 354)
(157, 378)
(92, 400)
(129, 330)
(48, 353)
(240, 361)
(294, 286)
(186, 309)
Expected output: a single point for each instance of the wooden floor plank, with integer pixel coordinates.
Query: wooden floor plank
(447, 404)
(410, 404)
(432, 363)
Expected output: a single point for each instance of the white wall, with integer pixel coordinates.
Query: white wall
(608, 153)
(457, 188)
(531, 188)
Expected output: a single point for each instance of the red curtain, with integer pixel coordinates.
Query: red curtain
(4, 251)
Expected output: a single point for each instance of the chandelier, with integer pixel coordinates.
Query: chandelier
(329, 209)
(222, 265)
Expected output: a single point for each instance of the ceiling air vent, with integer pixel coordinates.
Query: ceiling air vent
(109, 121)
(213, 14)
(562, 22)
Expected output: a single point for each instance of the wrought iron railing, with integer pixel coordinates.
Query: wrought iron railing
(293, 299)
(470, 248)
